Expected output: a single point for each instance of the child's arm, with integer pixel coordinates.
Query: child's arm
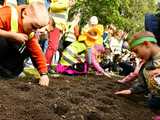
(133, 75)
(130, 77)
(95, 63)
(5, 25)
(37, 55)
(138, 87)
(13, 36)
(123, 92)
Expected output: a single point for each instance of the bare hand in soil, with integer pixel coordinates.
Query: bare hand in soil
(121, 81)
(44, 80)
(123, 92)
(106, 74)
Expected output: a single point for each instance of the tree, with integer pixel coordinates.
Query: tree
(126, 14)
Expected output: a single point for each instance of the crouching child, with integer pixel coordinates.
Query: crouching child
(145, 46)
(17, 27)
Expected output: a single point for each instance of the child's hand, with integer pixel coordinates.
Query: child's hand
(123, 92)
(106, 74)
(121, 81)
(44, 80)
(20, 37)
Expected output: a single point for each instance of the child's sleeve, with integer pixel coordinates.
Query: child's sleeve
(131, 76)
(37, 55)
(95, 63)
(140, 86)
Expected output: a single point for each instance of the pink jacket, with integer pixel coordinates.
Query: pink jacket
(133, 75)
(94, 53)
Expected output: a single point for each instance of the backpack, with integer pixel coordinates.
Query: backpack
(152, 24)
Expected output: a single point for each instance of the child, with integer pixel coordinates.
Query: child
(74, 61)
(145, 46)
(93, 21)
(116, 42)
(108, 33)
(97, 52)
(59, 12)
(15, 33)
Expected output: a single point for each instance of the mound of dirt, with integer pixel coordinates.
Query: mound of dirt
(69, 98)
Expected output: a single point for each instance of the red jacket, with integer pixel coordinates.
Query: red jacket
(32, 45)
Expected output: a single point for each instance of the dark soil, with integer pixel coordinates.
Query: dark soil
(69, 98)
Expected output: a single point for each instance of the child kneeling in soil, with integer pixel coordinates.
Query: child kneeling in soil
(17, 27)
(75, 57)
(145, 46)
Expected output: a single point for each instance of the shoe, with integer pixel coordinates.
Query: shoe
(22, 75)
(51, 71)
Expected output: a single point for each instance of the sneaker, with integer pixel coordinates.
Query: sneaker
(51, 71)
(22, 75)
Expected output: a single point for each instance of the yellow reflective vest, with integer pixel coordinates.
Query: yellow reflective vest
(14, 14)
(69, 34)
(74, 53)
(14, 21)
(30, 1)
(10, 2)
(59, 11)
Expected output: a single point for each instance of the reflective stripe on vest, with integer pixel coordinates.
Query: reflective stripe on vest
(14, 19)
(69, 35)
(71, 55)
(30, 1)
(14, 14)
(60, 19)
(59, 11)
(59, 15)
(10, 2)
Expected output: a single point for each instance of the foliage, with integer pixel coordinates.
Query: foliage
(126, 14)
